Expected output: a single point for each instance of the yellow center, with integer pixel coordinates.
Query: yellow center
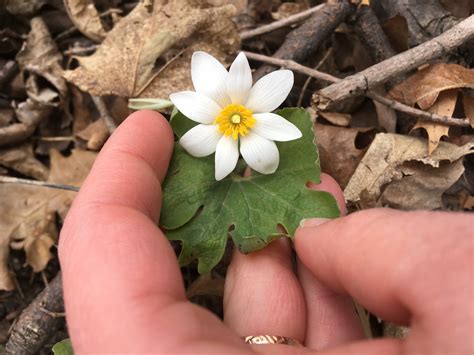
(235, 120)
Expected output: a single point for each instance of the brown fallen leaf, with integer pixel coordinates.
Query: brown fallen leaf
(23, 7)
(29, 114)
(421, 186)
(336, 118)
(385, 162)
(468, 103)
(424, 86)
(96, 134)
(27, 212)
(338, 152)
(468, 202)
(444, 106)
(287, 9)
(81, 110)
(86, 18)
(124, 64)
(396, 29)
(22, 160)
(39, 61)
(206, 285)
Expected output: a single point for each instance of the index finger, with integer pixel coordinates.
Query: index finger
(118, 268)
(392, 262)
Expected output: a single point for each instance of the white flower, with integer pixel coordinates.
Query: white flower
(230, 110)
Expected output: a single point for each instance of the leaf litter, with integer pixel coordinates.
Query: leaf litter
(144, 51)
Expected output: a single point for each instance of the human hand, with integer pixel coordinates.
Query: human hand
(124, 292)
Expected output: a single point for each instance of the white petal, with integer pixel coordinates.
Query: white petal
(227, 155)
(196, 106)
(259, 153)
(239, 81)
(201, 141)
(270, 91)
(209, 77)
(274, 127)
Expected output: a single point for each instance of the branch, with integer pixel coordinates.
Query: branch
(302, 42)
(290, 20)
(38, 321)
(14, 180)
(427, 116)
(360, 83)
(104, 113)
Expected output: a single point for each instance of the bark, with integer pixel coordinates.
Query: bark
(38, 321)
(304, 41)
(372, 77)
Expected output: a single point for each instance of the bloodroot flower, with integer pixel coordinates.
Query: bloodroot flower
(231, 111)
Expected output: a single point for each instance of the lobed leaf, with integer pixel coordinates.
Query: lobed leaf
(202, 212)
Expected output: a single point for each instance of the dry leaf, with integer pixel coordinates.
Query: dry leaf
(424, 86)
(85, 17)
(22, 160)
(96, 134)
(23, 7)
(385, 161)
(124, 64)
(240, 5)
(468, 103)
(459, 8)
(337, 118)
(287, 9)
(6, 116)
(39, 59)
(206, 285)
(468, 202)
(338, 153)
(444, 106)
(396, 29)
(421, 186)
(27, 212)
(81, 110)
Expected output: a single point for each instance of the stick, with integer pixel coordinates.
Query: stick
(302, 42)
(104, 113)
(427, 116)
(14, 180)
(290, 20)
(360, 83)
(35, 325)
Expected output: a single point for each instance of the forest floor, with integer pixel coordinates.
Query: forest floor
(397, 134)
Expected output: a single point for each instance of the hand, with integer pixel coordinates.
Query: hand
(124, 292)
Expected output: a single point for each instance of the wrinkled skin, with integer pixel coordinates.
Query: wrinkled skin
(124, 292)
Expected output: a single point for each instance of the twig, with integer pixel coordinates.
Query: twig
(35, 326)
(427, 116)
(290, 64)
(308, 80)
(302, 42)
(81, 50)
(379, 73)
(290, 20)
(53, 314)
(14, 180)
(104, 113)
(55, 139)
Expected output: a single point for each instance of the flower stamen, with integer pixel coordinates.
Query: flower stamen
(235, 120)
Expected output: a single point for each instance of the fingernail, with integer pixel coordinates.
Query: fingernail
(313, 222)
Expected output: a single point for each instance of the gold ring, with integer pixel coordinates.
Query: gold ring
(271, 339)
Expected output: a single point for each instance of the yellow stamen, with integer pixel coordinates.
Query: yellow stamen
(235, 120)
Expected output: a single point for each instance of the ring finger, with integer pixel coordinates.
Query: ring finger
(263, 295)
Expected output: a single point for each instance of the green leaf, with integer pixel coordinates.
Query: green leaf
(64, 347)
(202, 212)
